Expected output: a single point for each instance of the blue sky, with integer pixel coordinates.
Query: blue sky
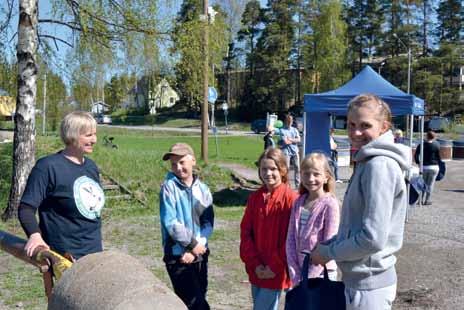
(61, 50)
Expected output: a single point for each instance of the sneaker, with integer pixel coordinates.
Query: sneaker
(339, 181)
(427, 203)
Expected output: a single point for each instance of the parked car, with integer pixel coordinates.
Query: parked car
(104, 119)
(258, 125)
(438, 123)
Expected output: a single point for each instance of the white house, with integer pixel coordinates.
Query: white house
(163, 96)
(99, 107)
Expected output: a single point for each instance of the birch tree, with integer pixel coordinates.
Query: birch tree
(102, 24)
(24, 131)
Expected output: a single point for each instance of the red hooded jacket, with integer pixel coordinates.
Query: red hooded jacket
(263, 233)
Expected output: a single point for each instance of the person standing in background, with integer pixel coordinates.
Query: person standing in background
(288, 143)
(430, 164)
(399, 138)
(334, 156)
(268, 137)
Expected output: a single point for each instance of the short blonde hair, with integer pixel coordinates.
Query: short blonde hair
(75, 124)
(373, 102)
(279, 159)
(399, 133)
(320, 159)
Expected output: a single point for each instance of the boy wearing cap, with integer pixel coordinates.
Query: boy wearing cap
(187, 217)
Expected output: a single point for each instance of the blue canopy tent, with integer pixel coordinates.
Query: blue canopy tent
(319, 107)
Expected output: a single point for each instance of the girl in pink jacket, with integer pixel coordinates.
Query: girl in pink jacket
(314, 217)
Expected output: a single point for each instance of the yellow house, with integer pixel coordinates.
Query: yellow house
(163, 96)
(7, 105)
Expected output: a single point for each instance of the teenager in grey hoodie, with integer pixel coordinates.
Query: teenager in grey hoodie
(374, 209)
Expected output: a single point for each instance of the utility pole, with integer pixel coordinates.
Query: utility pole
(410, 124)
(228, 73)
(44, 114)
(408, 48)
(204, 108)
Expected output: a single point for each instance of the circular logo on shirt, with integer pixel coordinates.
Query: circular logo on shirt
(89, 197)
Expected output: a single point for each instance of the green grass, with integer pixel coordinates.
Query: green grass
(175, 120)
(131, 228)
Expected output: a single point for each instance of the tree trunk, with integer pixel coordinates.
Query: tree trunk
(24, 132)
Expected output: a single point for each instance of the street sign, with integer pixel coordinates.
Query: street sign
(212, 95)
(225, 106)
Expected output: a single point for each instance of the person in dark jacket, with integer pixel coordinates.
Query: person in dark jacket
(431, 159)
(268, 138)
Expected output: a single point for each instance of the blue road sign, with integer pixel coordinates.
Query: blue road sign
(212, 94)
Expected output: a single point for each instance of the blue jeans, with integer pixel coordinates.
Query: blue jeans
(430, 174)
(265, 298)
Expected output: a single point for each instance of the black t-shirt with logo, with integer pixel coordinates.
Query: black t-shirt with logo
(69, 198)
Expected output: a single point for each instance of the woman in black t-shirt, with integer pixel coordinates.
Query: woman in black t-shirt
(431, 159)
(65, 189)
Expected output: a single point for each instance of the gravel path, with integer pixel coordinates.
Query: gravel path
(430, 265)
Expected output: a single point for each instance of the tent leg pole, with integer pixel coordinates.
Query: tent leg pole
(304, 135)
(411, 132)
(421, 157)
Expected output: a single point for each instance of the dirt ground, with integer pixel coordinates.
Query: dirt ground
(430, 265)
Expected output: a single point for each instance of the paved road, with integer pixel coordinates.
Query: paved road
(221, 130)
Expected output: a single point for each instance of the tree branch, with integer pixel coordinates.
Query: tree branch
(55, 39)
(77, 9)
(67, 24)
(10, 6)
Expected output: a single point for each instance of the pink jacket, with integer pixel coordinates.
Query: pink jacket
(322, 225)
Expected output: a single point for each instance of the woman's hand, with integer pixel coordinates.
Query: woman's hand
(35, 240)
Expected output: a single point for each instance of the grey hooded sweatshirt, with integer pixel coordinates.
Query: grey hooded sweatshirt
(373, 215)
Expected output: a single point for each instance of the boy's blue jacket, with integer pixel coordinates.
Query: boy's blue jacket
(186, 215)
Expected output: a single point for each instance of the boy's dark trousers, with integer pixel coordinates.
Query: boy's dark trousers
(190, 282)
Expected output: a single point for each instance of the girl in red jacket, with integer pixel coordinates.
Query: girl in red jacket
(263, 232)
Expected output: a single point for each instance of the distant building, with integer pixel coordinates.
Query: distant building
(7, 105)
(163, 96)
(144, 96)
(99, 107)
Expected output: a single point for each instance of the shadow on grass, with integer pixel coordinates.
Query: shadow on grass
(231, 197)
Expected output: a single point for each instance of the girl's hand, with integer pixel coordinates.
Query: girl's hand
(316, 258)
(187, 258)
(259, 271)
(35, 240)
(268, 273)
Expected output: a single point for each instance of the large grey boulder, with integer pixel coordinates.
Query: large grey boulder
(111, 280)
